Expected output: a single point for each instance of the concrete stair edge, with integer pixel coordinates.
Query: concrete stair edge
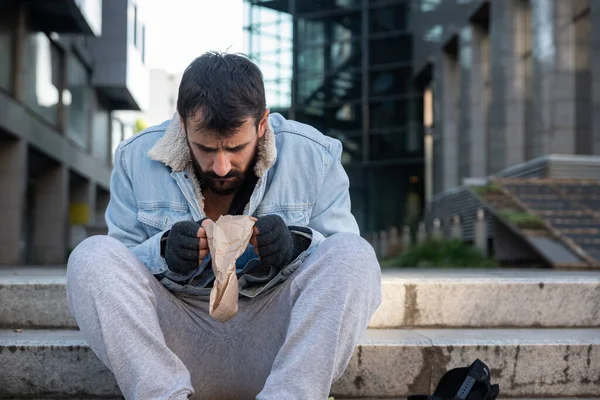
(411, 298)
(387, 363)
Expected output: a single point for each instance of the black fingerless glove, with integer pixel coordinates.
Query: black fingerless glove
(182, 249)
(277, 246)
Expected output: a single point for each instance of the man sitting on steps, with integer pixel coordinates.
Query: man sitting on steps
(308, 283)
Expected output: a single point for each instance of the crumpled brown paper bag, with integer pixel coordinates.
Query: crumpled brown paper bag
(227, 240)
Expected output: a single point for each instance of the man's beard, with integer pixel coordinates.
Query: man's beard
(209, 180)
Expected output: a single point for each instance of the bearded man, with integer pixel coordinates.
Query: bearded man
(308, 283)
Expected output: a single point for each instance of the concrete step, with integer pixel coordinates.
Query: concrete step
(34, 297)
(422, 298)
(331, 398)
(495, 298)
(387, 363)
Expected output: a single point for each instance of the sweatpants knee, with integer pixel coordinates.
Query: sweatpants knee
(349, 260)
(353, 250)
(95, 257)
(353, 245)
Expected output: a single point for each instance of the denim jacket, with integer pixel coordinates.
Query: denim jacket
(153, 185)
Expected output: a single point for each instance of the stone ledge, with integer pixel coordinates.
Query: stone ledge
(34, 297)
(387, 363)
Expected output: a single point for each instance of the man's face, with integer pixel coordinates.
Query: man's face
(222, 163)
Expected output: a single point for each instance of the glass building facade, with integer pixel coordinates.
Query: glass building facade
(345, 67)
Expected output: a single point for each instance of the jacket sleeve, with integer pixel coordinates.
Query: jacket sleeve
(331, 212)
(122, 221)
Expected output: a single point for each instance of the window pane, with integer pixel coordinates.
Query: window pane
(101, 133)
(77, 99)
(5, 51)
(387, 146)
(389, 114)
(116, 137)
(42, 76)
(389, 18)
(127, 131)
(347, 3)
(286, 27)
(380, 50)
(311, 61)
(310, 32)
(390, 82)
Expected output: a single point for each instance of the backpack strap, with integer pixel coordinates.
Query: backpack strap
(478, 372)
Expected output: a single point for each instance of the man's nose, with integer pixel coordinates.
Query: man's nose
(222, 165)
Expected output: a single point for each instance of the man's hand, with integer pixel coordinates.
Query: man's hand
(186, 246)
(273, 241)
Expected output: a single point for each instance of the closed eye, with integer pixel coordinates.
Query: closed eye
(206, 149)
(237, 149)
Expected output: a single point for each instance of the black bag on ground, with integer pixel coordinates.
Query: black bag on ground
(468, 383)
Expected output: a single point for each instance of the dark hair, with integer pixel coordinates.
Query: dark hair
(226, 88)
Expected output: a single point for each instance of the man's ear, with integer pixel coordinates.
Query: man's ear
(262, 125)
(182, 123)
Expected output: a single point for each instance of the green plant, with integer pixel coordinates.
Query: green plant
(440, 253)
(140, 125)
(522, 219)
(491, 187)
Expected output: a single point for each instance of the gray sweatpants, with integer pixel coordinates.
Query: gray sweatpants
(289, 343)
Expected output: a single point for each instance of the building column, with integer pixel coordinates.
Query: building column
(553, 123)
(508, 43)
(595, 71)
(50, 216)
(583, 90)
(474, 66)
(102, 200)
(82, 210)
(13, 186)
(448, 83)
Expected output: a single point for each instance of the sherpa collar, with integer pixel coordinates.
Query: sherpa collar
(172, 149)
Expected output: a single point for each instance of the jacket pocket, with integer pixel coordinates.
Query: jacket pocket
(159, 217)
(292, 214)
(186, 290)
(252, 285)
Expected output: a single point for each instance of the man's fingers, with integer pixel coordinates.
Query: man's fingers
(187, 255)
(201, 232)
(202, 255)
(189, 243)
(253, 241)
(203, 244)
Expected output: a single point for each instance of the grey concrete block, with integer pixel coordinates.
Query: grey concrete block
(51, 363)
(403, 354)
(492, 298)
(34, 298)
(38, 305)
(387, 363)
(524, 362)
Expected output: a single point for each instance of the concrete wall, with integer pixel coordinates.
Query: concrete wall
(48, 183)
(523, 82)
(164, 87)
(595, 75)
(435, 24)
(119, 67)
(473, 106)
(507, 105)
